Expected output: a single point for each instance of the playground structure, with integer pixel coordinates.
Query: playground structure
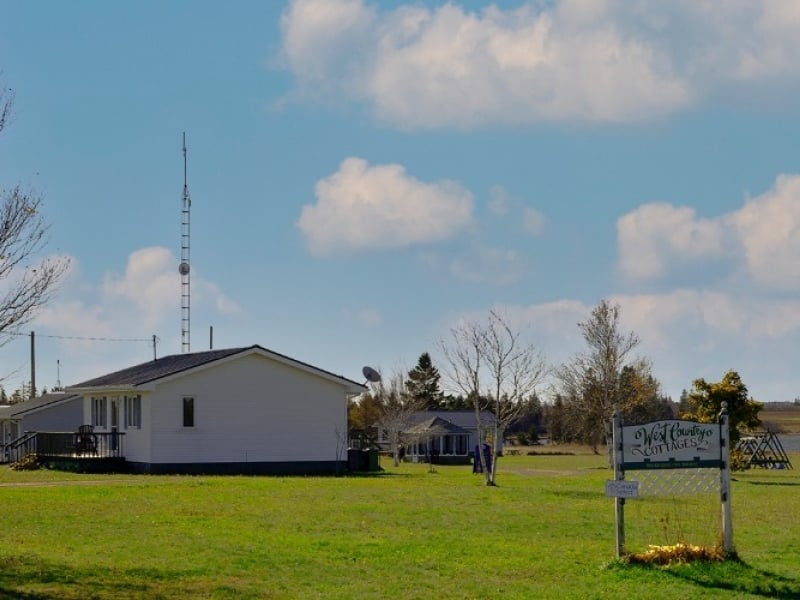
(764, 450)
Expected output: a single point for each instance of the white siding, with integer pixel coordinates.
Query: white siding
(251, 409)
(136, 442)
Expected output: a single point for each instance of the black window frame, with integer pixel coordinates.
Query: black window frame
(188, 411)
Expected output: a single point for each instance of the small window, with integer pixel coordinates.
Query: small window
(99, 412)
(188, 411)
(133, 412)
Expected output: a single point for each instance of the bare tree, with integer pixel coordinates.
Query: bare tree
(590, 383)
(514, 370)
(495, 353)
(463, 354)
(26, 282)
(398, 408)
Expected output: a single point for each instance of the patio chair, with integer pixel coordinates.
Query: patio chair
(86, 440)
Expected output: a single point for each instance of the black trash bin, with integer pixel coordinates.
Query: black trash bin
(356, 459)
(363, 460)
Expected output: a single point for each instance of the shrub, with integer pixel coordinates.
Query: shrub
(739, 461)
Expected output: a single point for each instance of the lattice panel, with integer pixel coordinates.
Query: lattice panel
(675, 482)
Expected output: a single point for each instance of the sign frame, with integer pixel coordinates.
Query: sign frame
(671, 444)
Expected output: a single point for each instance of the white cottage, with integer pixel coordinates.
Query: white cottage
(238, 410)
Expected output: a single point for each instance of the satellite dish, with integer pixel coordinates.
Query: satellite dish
(371, 374)
(183, 268)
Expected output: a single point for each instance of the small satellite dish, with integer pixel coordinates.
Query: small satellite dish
(183, 268)
(371, 374)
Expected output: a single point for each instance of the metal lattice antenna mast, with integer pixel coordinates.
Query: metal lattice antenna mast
(183, 268)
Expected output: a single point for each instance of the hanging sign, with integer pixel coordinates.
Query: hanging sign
(622, 489)
(671, 444)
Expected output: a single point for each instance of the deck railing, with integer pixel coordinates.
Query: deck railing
(19, 448)
(66, 444)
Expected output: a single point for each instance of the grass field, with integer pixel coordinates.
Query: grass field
(547, 531)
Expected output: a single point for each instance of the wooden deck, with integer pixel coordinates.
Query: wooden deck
(83, 451)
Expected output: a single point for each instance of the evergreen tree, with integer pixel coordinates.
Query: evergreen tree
(423, 383)
(450, 402)
(640, 398)
(684, 406)
(529, 419)
(555, 418)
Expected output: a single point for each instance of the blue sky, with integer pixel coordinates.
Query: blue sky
(364, 175)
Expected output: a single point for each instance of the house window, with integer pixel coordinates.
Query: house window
(188, 411)
(448, 444)
(99, 412)
(133, 412)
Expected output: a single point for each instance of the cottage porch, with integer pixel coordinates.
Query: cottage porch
(438, 441)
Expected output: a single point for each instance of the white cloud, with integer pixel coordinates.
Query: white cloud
(317, 33)
(657, 317)
(685, 333)
(497, 266)
(768, 228)
(149, 283)
(764, 234)
(134, 305)
(701, 333)
(611, 61)
(655, 233)
(363, 207)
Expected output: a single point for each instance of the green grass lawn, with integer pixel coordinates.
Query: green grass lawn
(547, 531)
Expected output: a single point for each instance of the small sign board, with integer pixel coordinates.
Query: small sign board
(622, 489)
(671, 444)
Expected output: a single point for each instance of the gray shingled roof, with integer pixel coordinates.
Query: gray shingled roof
(177, 363)
(158, 368)
(435, 426)
(44, 400)
(460, 418)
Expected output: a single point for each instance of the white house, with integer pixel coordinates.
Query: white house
(237, 410)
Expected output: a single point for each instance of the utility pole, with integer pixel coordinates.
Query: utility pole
(33, 364)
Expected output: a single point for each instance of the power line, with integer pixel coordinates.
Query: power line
(90, 339)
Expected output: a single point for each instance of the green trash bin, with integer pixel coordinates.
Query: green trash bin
(373, 462)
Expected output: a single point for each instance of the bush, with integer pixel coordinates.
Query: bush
(739, 461)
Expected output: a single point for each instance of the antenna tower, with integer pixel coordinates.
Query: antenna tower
(183, 268)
